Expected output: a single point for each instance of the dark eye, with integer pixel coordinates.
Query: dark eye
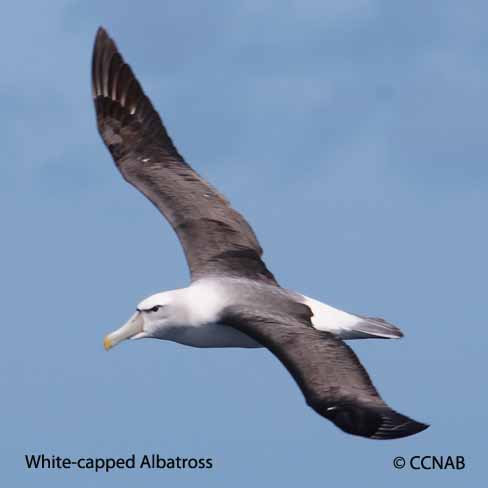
(155, 308)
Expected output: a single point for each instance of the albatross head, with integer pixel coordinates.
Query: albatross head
(155, 316)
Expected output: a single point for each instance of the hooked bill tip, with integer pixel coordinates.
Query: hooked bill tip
(107, 343)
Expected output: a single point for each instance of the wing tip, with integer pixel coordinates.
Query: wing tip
(396, 426)
(372, 422)
(120, 100)
(103, 75)
(101, 32)
(101, 39)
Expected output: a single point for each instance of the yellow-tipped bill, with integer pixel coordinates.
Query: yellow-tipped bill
(133, 327)
(107, 343)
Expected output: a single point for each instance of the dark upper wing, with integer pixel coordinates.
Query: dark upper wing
(215, 237)
(332, 379)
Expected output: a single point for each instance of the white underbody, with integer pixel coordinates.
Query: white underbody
(324, 318)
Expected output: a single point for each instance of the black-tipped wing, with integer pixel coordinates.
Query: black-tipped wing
(216, 239)
(332, 379)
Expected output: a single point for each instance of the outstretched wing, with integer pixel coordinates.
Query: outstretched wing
(216, 238)
(332, 379)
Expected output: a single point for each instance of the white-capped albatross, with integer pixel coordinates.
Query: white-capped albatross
(233, 299)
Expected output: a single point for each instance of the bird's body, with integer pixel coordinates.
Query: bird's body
(200, 306)
(233, 300)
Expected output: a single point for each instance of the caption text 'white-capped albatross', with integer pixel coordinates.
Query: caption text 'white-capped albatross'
(233, 299)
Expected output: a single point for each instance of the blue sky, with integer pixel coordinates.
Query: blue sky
(352, 135)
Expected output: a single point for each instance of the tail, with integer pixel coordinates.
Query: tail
(374, 328)
(349, 326)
